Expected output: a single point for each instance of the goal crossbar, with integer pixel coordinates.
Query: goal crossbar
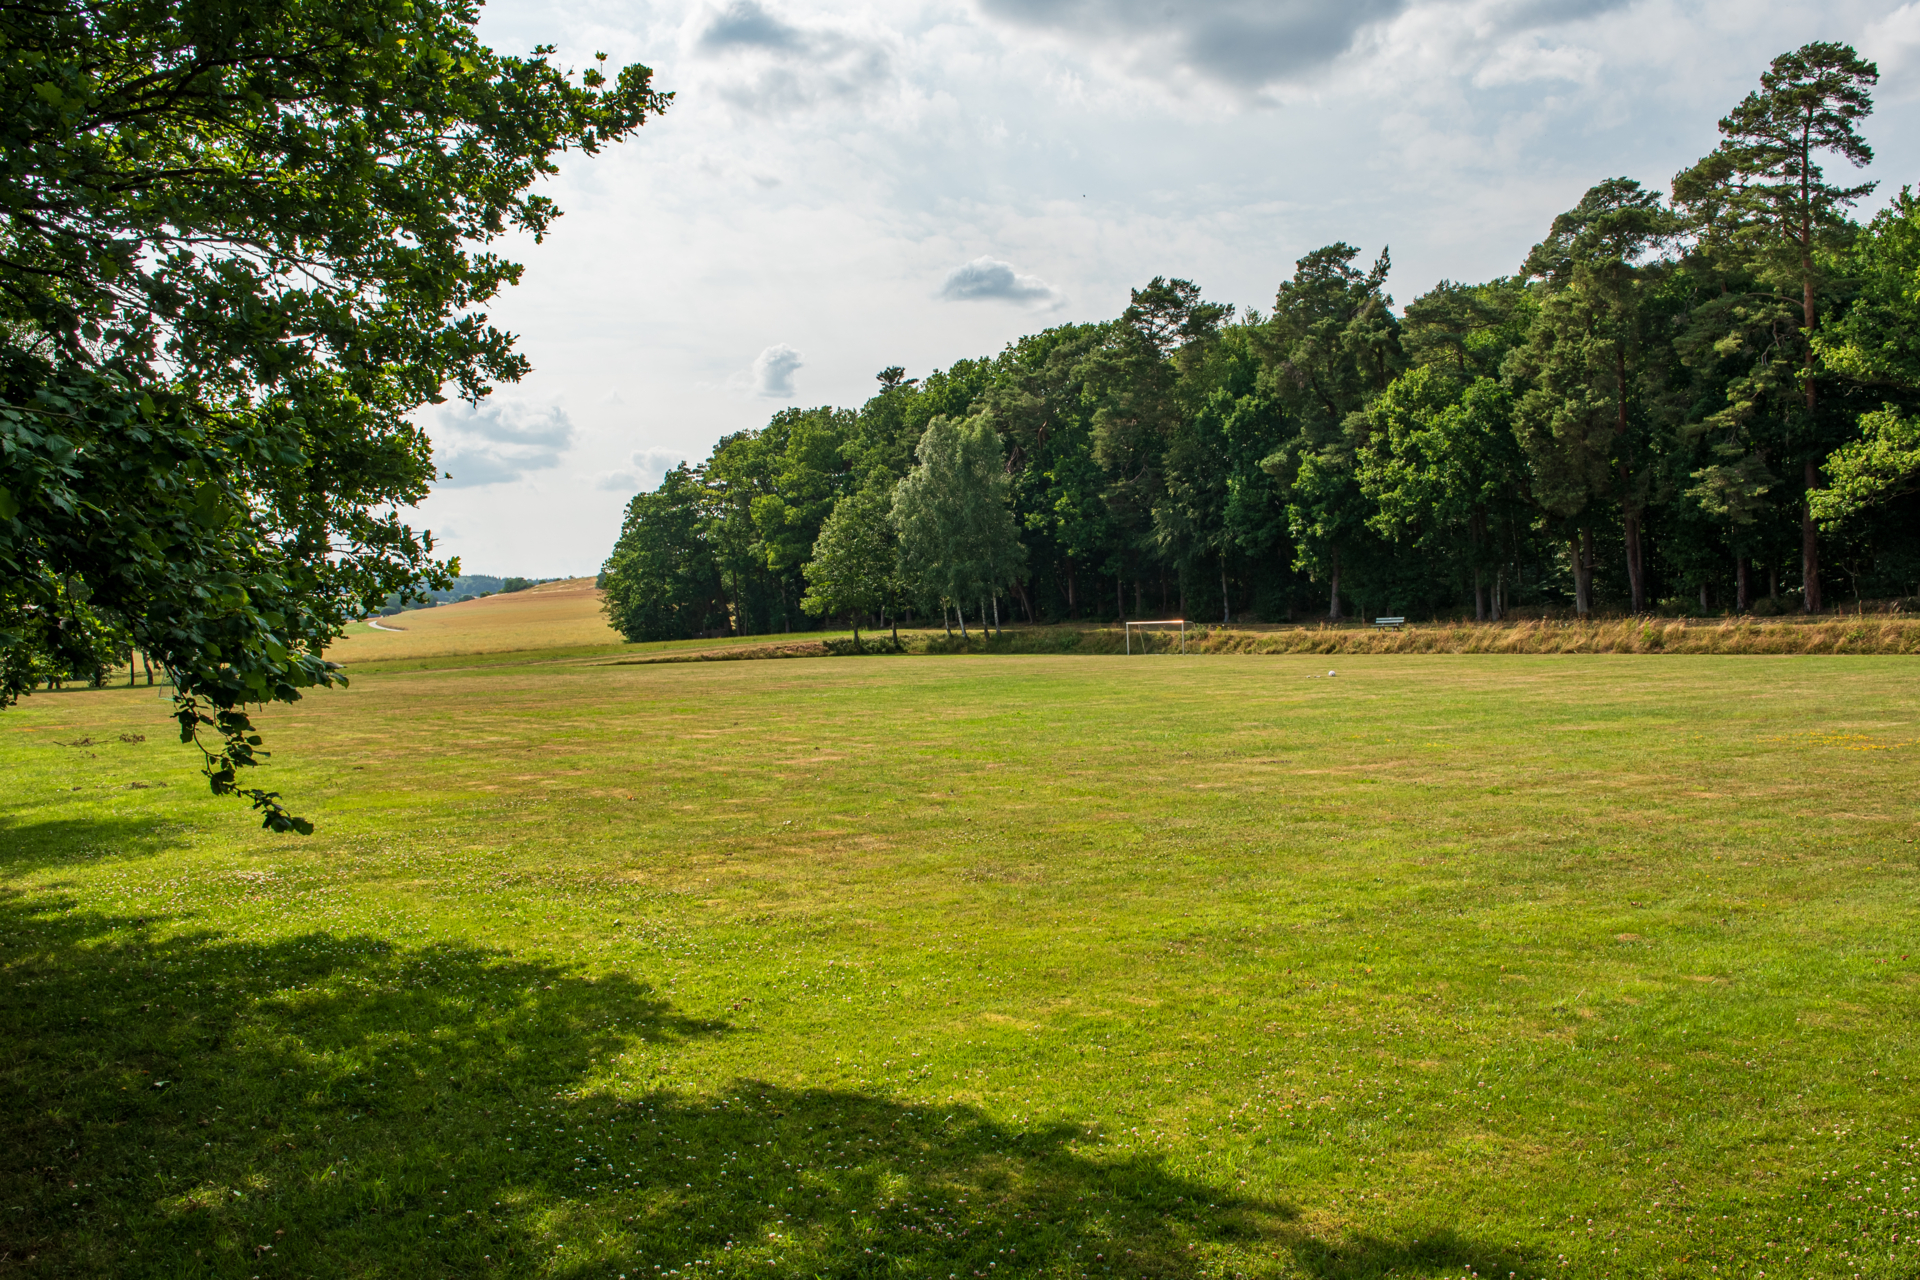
(1164, 622)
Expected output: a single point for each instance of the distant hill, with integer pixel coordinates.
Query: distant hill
(468, 586)
(556, 614)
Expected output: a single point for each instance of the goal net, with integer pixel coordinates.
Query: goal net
(1148, 628)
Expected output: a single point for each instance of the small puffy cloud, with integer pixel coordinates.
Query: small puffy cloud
(989, 279)
(643, 472)
(773, 370)
(498, 442)
(767, 64)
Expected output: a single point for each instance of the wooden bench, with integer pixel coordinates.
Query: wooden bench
(1385, 624)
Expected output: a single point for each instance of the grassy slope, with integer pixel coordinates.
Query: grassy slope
(979, 966)
(555, 615)
(556, 621)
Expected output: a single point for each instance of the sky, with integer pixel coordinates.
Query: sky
(836, 189)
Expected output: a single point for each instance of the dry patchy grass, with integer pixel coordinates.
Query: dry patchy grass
(553, 615)
(1053, 966)
(1826, 634)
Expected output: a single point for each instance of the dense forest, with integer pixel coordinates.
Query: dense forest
(1700, 400)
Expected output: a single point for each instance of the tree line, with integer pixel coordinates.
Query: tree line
(1695, 399)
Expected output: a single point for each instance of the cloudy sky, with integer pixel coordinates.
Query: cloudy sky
(841, 188)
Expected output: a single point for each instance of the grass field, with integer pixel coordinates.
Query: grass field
(553, 621)
(977, 966)
(563, 615)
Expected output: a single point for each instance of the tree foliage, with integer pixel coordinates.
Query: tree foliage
(851, 571)
(660, 584)
(242, 243)
(958, 542)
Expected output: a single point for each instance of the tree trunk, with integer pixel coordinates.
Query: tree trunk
(1742, 597)
(946, 619)
(854, 617)
(1226, 601)
(996, 616)
(1636, 581)
(1479, 597)
(1809, 532)
(1333, 598)
(1636, 575)
(963, 624)
(1704, 606)
(1120, 595)
(1583, 573)
(1806, 303)
(1073, 614)
(1499, 591)
(1773, 582)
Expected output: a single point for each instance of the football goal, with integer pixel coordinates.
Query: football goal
(1145, 627)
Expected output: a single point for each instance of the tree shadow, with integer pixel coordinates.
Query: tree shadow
(337, 1105)
(26, 847)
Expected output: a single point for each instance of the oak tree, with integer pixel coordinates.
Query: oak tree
(241, 242)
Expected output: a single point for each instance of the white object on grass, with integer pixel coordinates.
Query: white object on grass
(1169, 622)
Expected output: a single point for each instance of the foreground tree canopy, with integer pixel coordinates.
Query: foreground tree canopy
(1702, 401)
(242, 242)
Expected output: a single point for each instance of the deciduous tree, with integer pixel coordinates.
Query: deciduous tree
(240, 243)
(851, 570)
(958, 542)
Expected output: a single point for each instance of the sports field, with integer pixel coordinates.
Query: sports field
(977, 966)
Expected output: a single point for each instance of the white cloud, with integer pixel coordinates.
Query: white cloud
(991, 279)
(764, 63)
(773, 370)
(645, 469)
(1530, 58)
(498, 442)
(1894, 43)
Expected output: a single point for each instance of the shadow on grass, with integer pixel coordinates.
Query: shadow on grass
(26, 847)
(335, 1105)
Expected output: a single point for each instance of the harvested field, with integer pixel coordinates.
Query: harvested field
(553, 615)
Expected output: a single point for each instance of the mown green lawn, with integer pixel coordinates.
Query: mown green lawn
(989, 966)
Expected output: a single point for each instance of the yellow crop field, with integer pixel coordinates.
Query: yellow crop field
(555, 615)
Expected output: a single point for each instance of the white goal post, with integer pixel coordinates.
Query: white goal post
(1167, 622)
